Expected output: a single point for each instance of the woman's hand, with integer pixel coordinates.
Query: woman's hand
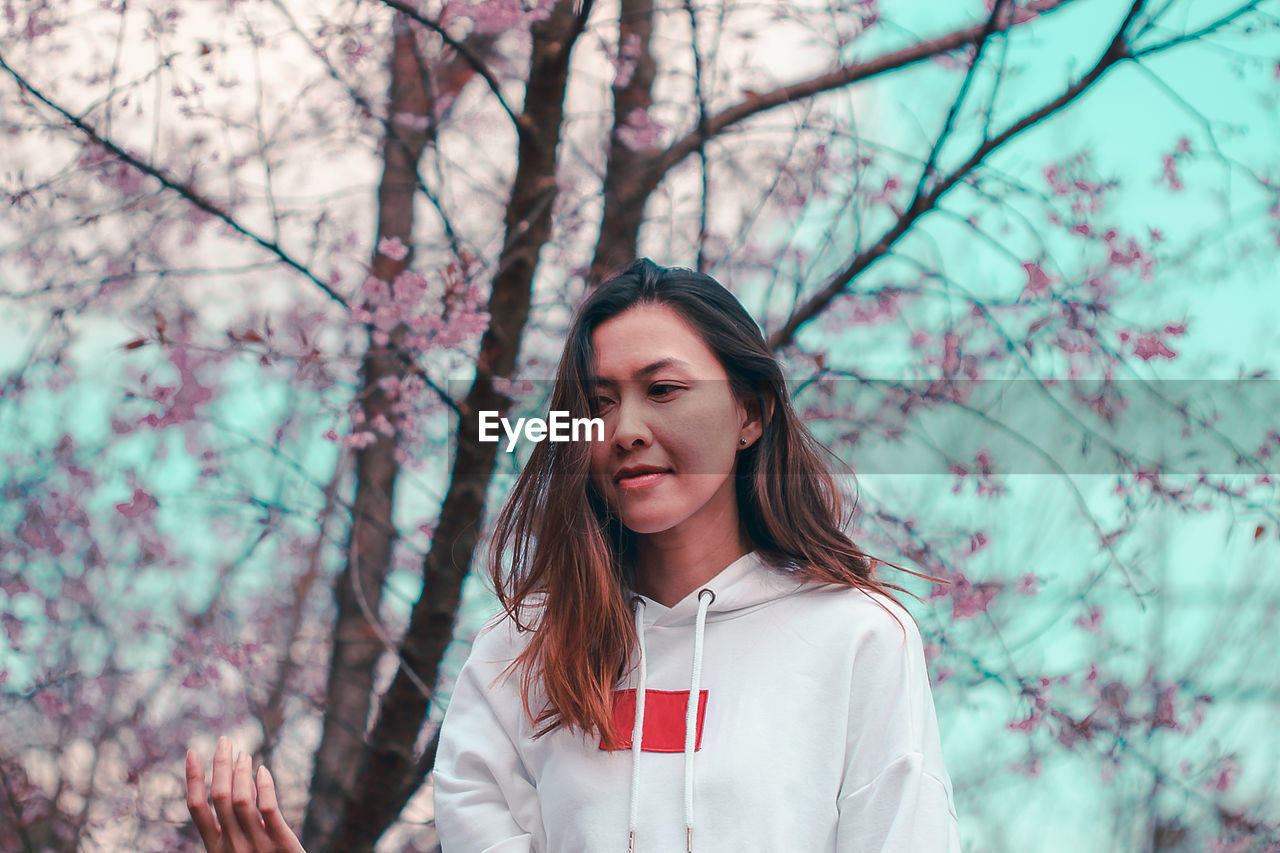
(247, 821)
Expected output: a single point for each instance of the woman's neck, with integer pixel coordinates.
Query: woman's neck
(667, 571)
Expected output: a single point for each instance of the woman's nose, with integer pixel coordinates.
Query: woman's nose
(630, 429)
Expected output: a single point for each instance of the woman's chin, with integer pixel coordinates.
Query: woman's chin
(648, 524)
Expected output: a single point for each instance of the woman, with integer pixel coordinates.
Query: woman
(691, 655)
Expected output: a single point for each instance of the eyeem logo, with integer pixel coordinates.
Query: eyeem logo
(558, 426)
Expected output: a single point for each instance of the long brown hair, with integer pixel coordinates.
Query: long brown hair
(570, 558)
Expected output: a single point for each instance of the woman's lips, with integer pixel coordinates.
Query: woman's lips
(641, 481)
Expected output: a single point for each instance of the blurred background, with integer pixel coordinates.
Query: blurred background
(262, 261)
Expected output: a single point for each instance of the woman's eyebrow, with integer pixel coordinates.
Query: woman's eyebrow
(649, 370)
(646, 371)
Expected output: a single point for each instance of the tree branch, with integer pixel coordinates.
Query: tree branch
(1208, 29)
(631, 176)
(411, 12)
(923, 201)
(170, 183)
(840, 77)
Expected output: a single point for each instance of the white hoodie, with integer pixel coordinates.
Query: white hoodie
(817, 735)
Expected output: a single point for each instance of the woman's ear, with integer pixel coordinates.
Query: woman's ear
(753, 424)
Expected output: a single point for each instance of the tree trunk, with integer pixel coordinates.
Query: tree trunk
(390, 771)
(627, 178)
(356, 645)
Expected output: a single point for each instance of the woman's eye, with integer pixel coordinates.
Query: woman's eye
(598, 403)
(662, 390)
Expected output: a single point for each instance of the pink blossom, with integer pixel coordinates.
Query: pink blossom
(640, 130)
(1166, 708)
(359, 440)
(201, 676)
(494, 17)
(1028, 725)
(393, 248)
(968, 600)
(1170, 177)
(13, 585)
(1198, 709)
(624, 61)
(179, 401)
(1038, 280)
(440, 106)
(1092, 676)
(390, 386)
(354, 49)
(1030, 767)
(1148, 347)
(1092, 620)
(1225, 774)
(1028, 584)
(1128, 254)
(142, 504)
(13, 629)
(513, 388)
(414, 122)
(950, 352)
(382, 425)
(51, 703)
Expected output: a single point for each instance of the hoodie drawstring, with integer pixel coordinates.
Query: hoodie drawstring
(705, 599)
(637, 732)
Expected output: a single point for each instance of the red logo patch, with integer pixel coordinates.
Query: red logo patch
(664, 713)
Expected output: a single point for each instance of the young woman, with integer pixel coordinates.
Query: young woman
(692, 655)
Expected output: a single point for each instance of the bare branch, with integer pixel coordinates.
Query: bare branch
(923, 202)
(170, 183)
(932, 161)
(1195, 35)
(840, 77)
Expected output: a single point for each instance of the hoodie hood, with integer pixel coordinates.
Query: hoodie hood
(745, 585)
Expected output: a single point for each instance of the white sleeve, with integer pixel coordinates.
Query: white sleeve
(485, 800)
(895, 796)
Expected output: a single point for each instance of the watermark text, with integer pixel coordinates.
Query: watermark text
(557, 426)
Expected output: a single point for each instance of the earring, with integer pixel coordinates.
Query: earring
(742, 441)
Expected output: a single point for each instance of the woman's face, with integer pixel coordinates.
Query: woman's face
(673, 427)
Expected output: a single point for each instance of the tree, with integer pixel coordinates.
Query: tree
(201, 175)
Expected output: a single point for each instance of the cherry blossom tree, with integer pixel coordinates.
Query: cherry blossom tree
(266, 261)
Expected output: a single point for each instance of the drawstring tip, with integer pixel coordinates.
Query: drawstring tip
(688, 837)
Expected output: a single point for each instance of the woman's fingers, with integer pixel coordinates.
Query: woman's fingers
(245, 804)
(233, 836)
(248, 818)
(270, 808)
(198, 804)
